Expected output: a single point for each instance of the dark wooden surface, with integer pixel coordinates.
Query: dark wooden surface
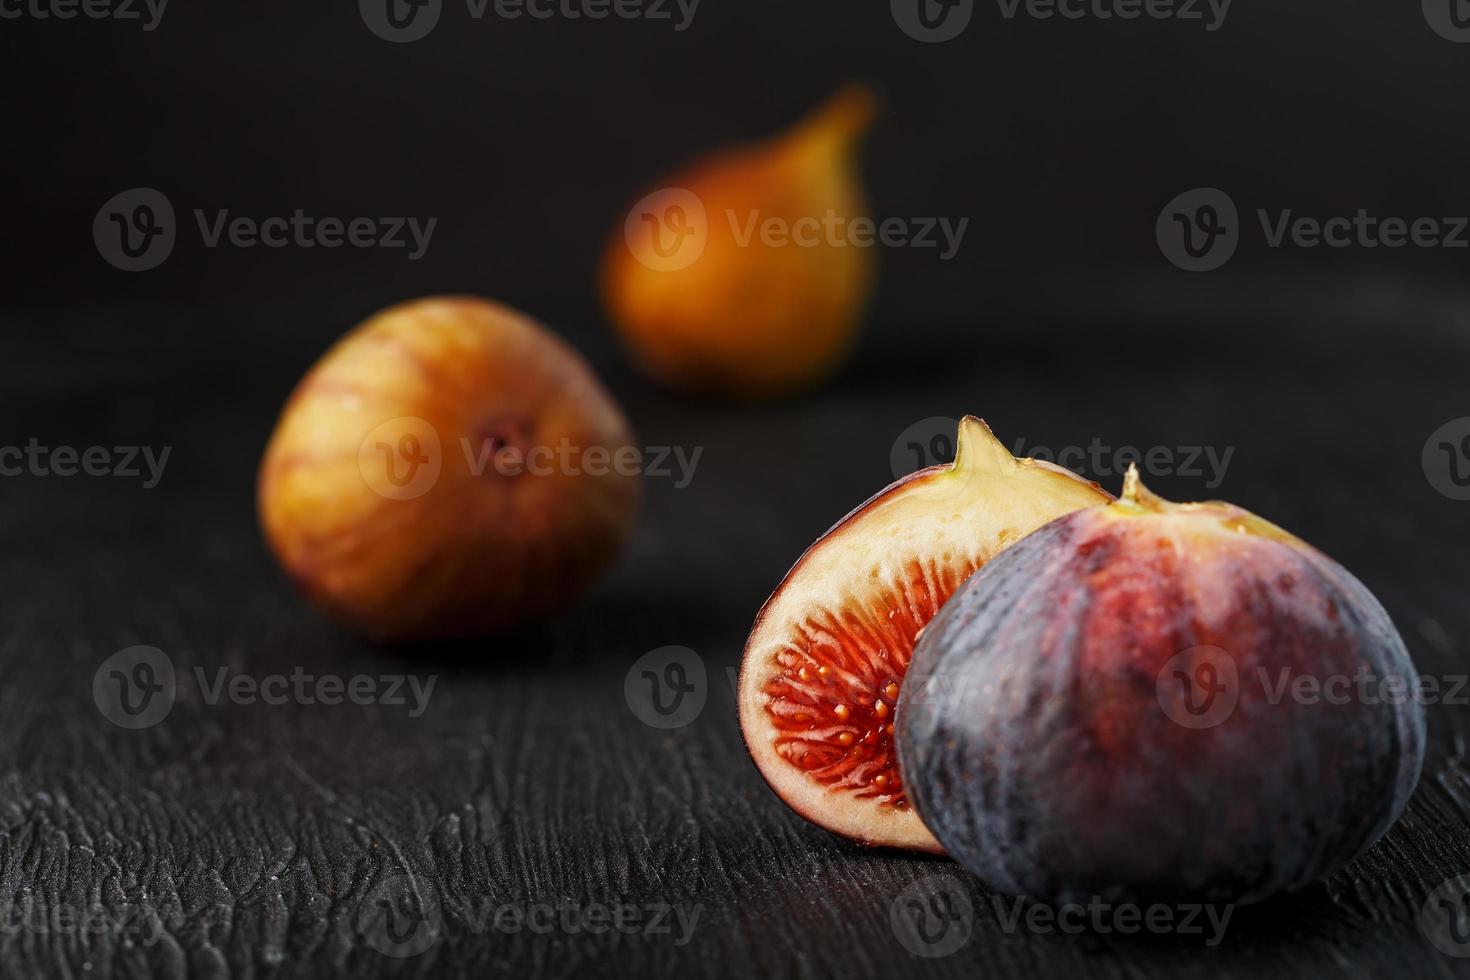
(245, 840)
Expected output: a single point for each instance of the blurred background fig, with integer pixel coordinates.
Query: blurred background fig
(1159, 701)
(447, 469)
(826, 659)
(748, 273)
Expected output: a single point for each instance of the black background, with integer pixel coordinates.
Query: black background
(529, 780)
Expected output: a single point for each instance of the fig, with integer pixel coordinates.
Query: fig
(745, 275)
(433, 474)
(1113, 707)
(826, 659)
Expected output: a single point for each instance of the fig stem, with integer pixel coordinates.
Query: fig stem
(976, 447)
(841, 119)
(1139, 495)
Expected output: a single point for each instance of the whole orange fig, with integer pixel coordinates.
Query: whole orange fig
(749, 272)
(448, 468)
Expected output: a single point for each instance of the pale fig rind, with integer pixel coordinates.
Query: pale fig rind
(854, 602)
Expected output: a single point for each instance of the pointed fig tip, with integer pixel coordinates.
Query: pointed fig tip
(976, 446)
(1135, 493)
(845, 116)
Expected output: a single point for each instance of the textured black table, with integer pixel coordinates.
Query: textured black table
(546, 829)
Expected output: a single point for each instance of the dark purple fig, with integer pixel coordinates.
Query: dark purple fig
(1159, 701)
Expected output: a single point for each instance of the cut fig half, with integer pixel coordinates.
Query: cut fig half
(826, 659)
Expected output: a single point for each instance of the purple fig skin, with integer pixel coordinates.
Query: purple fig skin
(1034, 738)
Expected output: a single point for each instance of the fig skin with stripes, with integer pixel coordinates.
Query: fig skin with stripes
(448, 469)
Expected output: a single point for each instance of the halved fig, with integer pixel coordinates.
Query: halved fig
(826, 658)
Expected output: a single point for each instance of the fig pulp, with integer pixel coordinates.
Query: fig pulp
(442, 471)
(826, 659)
(743, 275)
(1114, 707)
